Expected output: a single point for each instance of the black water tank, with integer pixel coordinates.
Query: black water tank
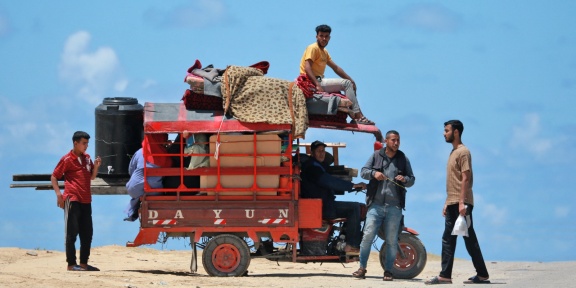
(119, 134)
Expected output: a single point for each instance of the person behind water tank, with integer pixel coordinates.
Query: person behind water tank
(317, 183)
(153, 144)
(313, 64)
(78, 170)
(389, 172)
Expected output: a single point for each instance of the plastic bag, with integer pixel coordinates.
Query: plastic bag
(460, 227)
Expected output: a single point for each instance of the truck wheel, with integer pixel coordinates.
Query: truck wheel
(226, 256)
(415, 261)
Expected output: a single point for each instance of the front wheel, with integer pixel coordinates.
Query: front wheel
(415, 260)
(226, 255)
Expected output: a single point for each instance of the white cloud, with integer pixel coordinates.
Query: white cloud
(497, 215)
(561, 211)
(91, 73)
(4, 24)
(196, 14)
(121, 85)
(527, 136)
(149, 83)
(16, 125)
(428, 17)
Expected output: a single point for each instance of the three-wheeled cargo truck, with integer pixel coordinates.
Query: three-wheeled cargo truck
(244, 200)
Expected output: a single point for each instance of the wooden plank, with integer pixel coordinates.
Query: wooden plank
(31, 177)
(99, 186)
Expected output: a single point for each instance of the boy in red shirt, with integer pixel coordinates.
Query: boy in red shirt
(78, 170)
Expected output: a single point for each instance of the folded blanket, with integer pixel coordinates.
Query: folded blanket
(251, 97)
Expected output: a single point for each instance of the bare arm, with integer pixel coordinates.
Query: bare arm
(311, 76)
(97, 163)
(463, 188)
(59, 198)
(340, 72)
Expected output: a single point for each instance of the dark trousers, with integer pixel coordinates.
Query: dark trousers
(449, 244)
(350, 211)
(77, 221)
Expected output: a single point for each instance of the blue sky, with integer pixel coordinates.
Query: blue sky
(507, 69)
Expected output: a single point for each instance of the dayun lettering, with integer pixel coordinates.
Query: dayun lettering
(249, 213)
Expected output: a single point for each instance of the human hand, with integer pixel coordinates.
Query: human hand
(400, 178)
(462, 208)
(60, 200)
(380, 176)
(360, 186)
(444, 211)
(97, 162)
(319, 88)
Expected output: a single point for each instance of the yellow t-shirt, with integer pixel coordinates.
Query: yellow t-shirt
(319, 57)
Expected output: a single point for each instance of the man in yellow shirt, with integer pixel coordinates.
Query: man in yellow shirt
(313, 64)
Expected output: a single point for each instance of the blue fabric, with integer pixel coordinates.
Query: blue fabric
(135, 185)
(390, 217)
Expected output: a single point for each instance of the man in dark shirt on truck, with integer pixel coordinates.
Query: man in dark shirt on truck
(317, 183)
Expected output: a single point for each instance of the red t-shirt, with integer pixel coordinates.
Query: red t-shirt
(77, 171)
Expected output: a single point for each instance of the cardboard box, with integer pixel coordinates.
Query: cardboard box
(244, 144)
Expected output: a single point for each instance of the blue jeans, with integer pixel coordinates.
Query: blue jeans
(336, 85)
(377, 215)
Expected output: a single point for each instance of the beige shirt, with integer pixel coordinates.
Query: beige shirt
(460, 160)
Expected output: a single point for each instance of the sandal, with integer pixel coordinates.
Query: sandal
(476, 280)
(363, 121)
(76, 268)
(91, 268)
(360, 273)
(82, 268)
(437, 280)
(388, 276)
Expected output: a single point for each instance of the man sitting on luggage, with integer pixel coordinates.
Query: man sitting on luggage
(317, 183)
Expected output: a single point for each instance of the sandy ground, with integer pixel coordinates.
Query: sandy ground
(145, 267)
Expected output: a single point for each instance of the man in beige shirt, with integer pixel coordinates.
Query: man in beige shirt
(459, 201)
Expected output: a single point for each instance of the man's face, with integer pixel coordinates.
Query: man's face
(448, 133)
(392, 142)
(319, 153)
(81, 146)
(323, 38)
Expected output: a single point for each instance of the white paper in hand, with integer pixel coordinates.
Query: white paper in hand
(460, 227)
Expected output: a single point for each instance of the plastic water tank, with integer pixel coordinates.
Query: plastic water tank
(119, 134)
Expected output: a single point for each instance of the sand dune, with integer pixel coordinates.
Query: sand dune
(145, 267)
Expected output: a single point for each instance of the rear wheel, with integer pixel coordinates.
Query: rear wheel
(415, 260)
(226, 255)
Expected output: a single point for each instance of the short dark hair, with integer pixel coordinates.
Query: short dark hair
(323, 28)
(79, 135)
(392, 132)
(316, 144)
(456, 125)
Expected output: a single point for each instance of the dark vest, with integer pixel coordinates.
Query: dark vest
(379, 164)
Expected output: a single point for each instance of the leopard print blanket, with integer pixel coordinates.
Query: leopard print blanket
(251, 97)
